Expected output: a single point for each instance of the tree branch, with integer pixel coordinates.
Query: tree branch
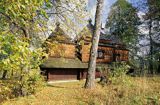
(26, 34)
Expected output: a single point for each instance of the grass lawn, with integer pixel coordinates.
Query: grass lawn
(132, 91)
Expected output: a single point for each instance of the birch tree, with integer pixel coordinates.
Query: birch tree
(93, 52)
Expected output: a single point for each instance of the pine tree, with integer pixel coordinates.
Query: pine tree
(123, 21)
(152, 19)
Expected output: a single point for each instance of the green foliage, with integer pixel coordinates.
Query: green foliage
(20, 11)
(118, 74)
(115, 74)
(23, 18)
(123, 21)
(153, 9)
(120, 69)
(151, 21)
(22, 66)
(20, 21)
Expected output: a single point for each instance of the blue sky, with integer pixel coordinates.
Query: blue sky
(106, 9)
(107, 5)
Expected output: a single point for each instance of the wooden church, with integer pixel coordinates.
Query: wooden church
(68, 59)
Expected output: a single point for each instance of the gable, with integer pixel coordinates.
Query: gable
(59, 35)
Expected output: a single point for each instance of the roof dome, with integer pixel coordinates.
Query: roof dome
(59, 35)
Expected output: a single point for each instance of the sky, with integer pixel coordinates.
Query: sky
(106, 9)
(91, 9)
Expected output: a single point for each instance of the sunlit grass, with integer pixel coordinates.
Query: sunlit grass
(136, 91)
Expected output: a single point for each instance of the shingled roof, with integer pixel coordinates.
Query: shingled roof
(59, 35)
(87, 33)
(113, 38)
(67, 63)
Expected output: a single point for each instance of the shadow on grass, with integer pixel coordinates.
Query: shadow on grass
(63, 87)
(1, 100)
(55, 86)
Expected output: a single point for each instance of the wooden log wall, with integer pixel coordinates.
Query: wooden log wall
(62, 74)
(109, 54)
(85, 53)
(63, 50)
(121, 55)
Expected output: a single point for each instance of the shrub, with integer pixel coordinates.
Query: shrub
(115, 74)
(118, 74)
(21, 64)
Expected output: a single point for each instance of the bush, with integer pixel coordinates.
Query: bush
(118, 74)
(21, 66)
(115, 74)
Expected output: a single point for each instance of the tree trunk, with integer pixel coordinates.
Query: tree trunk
(4, 74)
(93, 52)
(158, 70)
(151, 47)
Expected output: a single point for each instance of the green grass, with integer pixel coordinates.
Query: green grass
(132, 91)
